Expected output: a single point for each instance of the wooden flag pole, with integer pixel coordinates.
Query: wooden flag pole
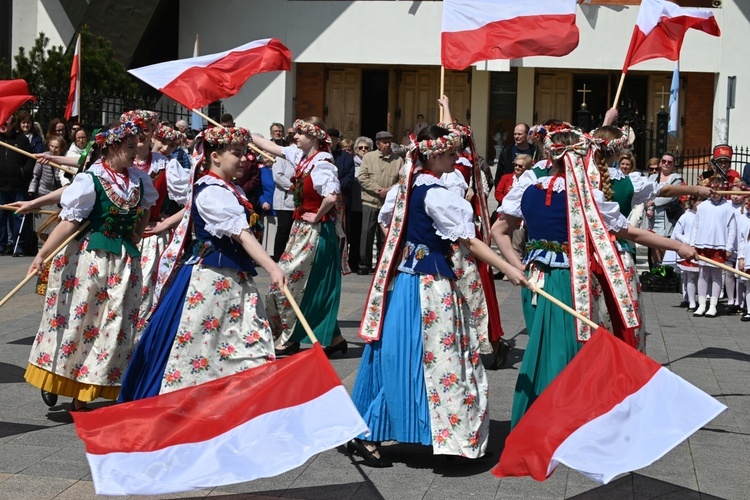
(724, 267)
(49, 258)
(733, 193)
(563, 306)
(300, 316)
(619, 90)
(250, 145)
(31, 155)
(46, 212)
(442, 90)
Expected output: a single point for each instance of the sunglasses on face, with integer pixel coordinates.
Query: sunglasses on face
(363, 148)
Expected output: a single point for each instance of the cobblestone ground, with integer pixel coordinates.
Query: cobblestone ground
(41, 456)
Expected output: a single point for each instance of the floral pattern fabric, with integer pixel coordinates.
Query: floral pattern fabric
(90, 317)
(471, 294)
(223, 329)
(151, 248)
(296, 262)
(455, 380)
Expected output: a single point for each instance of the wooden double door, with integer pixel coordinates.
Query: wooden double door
(366, 100)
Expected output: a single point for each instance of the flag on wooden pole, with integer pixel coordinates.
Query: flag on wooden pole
(73, 108)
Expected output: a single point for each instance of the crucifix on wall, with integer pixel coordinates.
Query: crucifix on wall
(584, 92)
(662, 94)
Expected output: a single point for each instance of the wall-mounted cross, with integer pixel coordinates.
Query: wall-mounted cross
(584, 92)
(662, 94)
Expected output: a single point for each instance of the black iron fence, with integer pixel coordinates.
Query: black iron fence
(692, 163)
(99, 109)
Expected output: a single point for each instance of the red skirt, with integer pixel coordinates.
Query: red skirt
(717, 254)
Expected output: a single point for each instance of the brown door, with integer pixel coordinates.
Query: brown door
(343, 100)
(417, 94)
(554, 97)
(458, 90)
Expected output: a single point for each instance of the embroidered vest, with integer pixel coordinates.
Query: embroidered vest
(622, 193)
(113, 219)
(218, 252)
(424, 252)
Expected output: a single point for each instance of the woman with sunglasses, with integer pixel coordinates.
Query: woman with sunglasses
(362, 146)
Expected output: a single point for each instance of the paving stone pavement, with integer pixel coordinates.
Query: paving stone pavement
(42, 458)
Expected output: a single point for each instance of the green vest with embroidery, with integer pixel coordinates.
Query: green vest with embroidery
(113, 220)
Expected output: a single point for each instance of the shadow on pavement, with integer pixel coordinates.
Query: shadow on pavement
(715, 353)
(23, 341)
(642, 488)
(11, 374)
(13, 428)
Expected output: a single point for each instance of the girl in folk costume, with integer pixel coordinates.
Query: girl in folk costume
(210, 322)
(421, 379)
(312, 260)
(628, 191)
(743, 254)
(91, 308)
(172, 182)
(688, 268)
(714, 235)
(475, 280)
(732, 284)
(568, 224)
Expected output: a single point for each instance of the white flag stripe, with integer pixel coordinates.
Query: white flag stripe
(651, 12)
(463, 15)
(641, 429)
(278, 441)
(159, 75)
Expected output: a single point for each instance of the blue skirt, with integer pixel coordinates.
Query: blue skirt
(389, 391)
(146, 369)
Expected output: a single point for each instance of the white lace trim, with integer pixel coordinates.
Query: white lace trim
(210, 180)
(615, 174)
(559, 186)
(467, 231)
(74, 214)
(427, 180)
(617, 224)
(228, 227)
(158, 163)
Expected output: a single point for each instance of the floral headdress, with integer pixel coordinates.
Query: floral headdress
(308, 128)
(221, 136)
(168, 134)
(109, 136)
(448, 143)
(140, 116)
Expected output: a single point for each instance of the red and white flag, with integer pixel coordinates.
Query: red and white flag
(478, 30)
(612, 410)
(73, 108)
(257, 423)
(198, 81)
(660, 29)
(13, 95)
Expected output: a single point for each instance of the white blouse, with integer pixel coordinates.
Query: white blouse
(178, 178)
(324, 175)
(220, 209)
(452, 216)
(610, 210)
(715, 226)
(79, 198)
(455, 182)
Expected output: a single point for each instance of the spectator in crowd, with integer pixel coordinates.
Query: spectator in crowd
(627, 165)
(520, 145)
(420, 125)
(406, 138)
(521, 164)
(345, 165)
(348, 146)
(265, 200)
(182, 126)
(277, 134)
(226, 120)
(15, 174)
(283, 203)
(46, 179)
(190, 141)
(58, 128)
(626, 162)
(379, 171)
(80, 141)
(32, 134)
(290, 136)
(746, 176)
(662, 209)
(250, 179)
(362, 146)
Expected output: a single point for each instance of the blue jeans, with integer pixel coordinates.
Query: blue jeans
(8, 220)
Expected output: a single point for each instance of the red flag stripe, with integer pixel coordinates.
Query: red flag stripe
(548, 35)
(205, 411)
(589, 391)
(72, 108)
(13, 95)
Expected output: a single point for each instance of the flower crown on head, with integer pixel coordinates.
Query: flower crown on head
(616, 146)
(109, 136)
(458, 127)
(308, 128)
(557, 150)
(140, 116)
(450, 143)
(165, 133)
(221, 136)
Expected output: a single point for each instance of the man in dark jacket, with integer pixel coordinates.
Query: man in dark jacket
(15, 174)
(521, 145)
(344, 162)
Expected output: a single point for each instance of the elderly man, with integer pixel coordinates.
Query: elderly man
(379, 171)
(182, 126)
(520, 146)
(277, 134)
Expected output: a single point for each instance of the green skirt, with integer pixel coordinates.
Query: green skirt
(552, 340)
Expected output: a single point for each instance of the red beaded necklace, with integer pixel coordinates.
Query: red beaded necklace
(115, 177)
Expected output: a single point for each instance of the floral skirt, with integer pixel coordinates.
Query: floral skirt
(88, 326)
(635, 337)
(312, 264)
(423, 380)
(469, 288)
(210, 323)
